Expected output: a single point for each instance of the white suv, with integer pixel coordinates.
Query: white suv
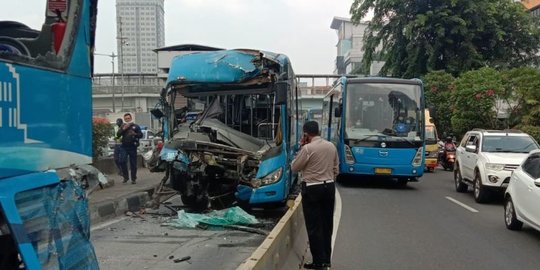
(485, 159)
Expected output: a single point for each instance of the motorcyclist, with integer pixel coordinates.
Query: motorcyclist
(446, 146)
(449, 145)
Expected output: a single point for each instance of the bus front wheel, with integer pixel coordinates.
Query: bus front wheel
(402, 181)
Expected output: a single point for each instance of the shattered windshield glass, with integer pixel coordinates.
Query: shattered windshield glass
(383, 110)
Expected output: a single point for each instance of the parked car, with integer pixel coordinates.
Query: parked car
(522, 197)
(485, 160)
(146, 143)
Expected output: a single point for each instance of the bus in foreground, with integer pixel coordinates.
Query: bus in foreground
(378, 127)
(241, 145)
(45, 128)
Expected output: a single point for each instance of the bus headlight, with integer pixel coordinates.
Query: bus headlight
(272, 177)
(349, 158)
(168, 154)
(417, 160)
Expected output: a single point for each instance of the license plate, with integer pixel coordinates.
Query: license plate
(431, 162)
(383, 171)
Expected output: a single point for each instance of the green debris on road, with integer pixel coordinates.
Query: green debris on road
(230, 216)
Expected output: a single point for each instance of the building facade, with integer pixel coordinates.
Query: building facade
(533, 6)
(138, 93)
(140, 29)
(350, 47)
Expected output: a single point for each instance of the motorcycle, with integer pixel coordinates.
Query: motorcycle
(448, 157)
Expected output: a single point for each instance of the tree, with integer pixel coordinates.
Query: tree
(101, 130)
(439, 86)
(523, 98)
(415, 37)
(475, 99)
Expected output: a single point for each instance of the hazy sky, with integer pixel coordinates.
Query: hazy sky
(297, 28)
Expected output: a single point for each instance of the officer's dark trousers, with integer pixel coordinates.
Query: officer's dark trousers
(129, 154)
(318, 206)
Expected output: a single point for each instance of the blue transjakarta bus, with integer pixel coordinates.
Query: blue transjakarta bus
(241, 145)
(377, 125)
(45, 127)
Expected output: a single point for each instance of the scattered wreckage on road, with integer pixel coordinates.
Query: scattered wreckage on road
(242, 143)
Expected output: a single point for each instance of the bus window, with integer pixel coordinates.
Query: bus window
(47, 43)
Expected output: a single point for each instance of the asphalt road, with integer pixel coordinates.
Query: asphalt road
(422, 227)
(142, 242)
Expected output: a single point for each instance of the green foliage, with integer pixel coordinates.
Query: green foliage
(101, 130)
(438, 91)
(531, 122)
(474, 98)
(534, 131)
(522, 93)
(416, 37)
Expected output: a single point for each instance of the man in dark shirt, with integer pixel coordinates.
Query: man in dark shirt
(130, 134)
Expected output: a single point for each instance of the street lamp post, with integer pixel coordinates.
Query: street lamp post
(112, 56)
(122, 69)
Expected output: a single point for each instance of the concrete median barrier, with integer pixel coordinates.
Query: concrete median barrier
(286, 245)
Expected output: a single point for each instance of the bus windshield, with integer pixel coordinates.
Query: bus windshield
(431, 134)
(389, 111)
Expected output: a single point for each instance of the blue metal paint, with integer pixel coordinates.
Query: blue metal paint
(226, 66)
(51, 112)
(368, 158)
(46, 122)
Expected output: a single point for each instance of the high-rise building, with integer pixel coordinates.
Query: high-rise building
(140, 29)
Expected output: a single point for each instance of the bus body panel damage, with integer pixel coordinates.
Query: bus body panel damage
(237, 148)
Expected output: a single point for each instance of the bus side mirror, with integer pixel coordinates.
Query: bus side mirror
(281, 88)
(337, 111)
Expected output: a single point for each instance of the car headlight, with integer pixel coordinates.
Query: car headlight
(494, 166)
(272, 177)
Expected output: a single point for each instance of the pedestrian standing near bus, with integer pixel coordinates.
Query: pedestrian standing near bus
(130, 133)
(117, 153)
(318, 162)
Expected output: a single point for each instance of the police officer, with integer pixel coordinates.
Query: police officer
(318, 162)
(130, 134)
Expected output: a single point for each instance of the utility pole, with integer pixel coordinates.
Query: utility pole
(112, 56)
(122, 39)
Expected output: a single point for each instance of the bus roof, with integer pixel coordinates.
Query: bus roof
(227, 69)
(384, 80)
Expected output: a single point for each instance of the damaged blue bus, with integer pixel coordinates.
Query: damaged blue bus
(46, 127)
(241, 145)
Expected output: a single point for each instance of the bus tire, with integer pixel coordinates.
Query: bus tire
(402, 181)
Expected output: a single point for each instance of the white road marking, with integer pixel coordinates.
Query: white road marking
(108, 223)
(462, 204)
(337, 219)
